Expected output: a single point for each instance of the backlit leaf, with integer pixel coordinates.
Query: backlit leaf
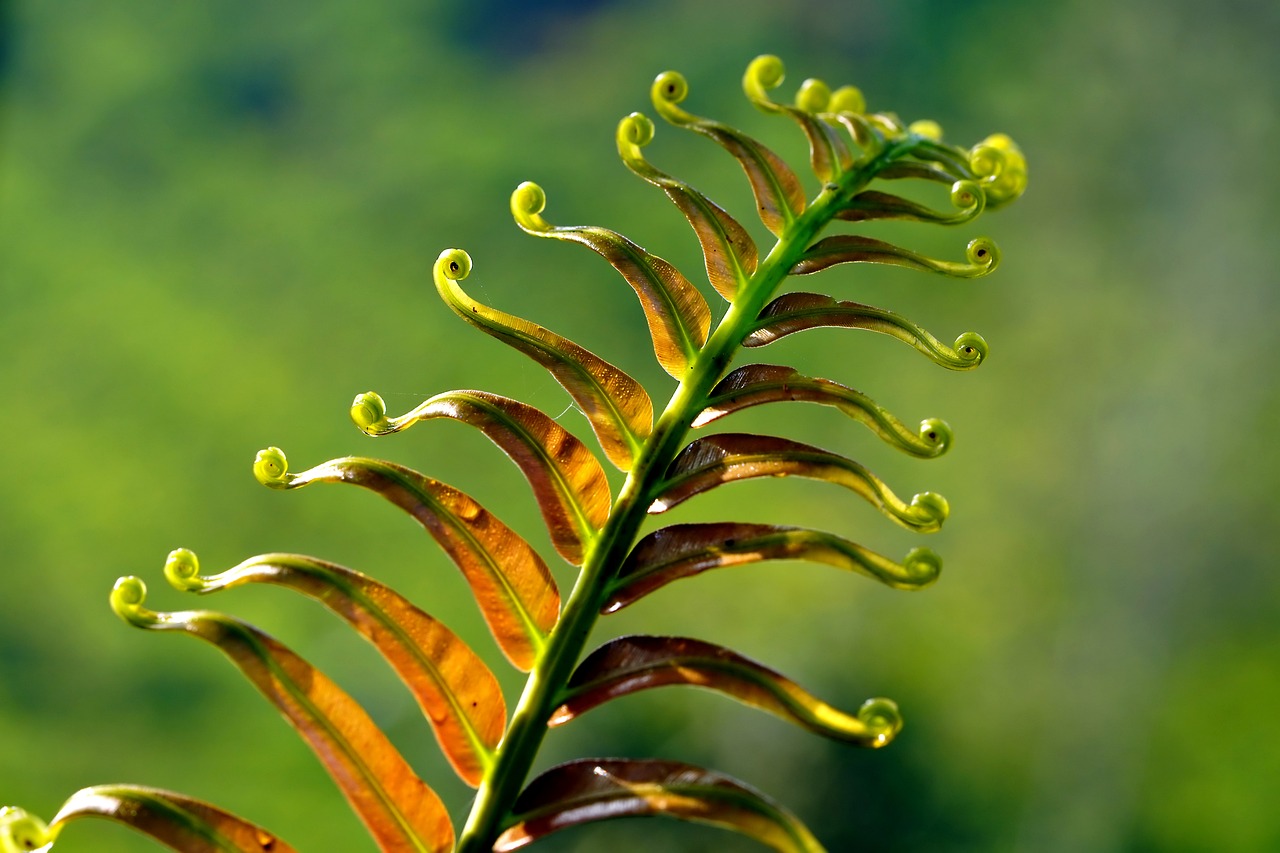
(731, 255)
(796, 312)
(175, 820)
(594, 789)
(569, 484)
(754, 384)
(618, 408)
(709, 462)
(982, 254)
(677, 315)
(631, 664)
(400, 811)
(457, 693)
(966, 196)
(683, 550)
(512, 586)
(779, 194)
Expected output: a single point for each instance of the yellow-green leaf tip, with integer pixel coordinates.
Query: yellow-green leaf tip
(369, 412)
(927, 128)
(527, 201)
(933, 507)
(922, 566)
(271, 467)
(453, 264)
(182, 569)
(813, 96)
(937, 433)
(971, 346)
(1000, 163)
(635, 129)
(848, 99)
(882, 718)
(127, 597)
(21, 831)
(669, 88)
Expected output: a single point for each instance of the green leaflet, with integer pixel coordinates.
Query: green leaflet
(779, 195)
(731, 255)
(397, 807)
(567, 481)
(796, 312)
(616, 405)
(630, 664)
(175, 820)
(512, 586)
(457, 693)
(593, 789)
(677, 315)
(682, 550)
(709, 462)
(755, 384)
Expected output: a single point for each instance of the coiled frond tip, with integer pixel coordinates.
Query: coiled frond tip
(182, 569)
(369, 413)
(883, 718)
(127, 598)
(453, 264)
(271, 468)
(21, 831)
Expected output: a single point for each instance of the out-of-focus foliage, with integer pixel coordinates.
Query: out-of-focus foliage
(218, 223)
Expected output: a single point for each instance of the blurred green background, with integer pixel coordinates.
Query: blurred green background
(217, 222)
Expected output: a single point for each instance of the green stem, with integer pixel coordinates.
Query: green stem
(515, 755)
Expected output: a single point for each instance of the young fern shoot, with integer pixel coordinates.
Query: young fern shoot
(857, 157)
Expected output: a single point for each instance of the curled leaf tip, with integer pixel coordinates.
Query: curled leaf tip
(182, 570)
(454, 264)
(528, 201)
(127, 597)
(927, 128)
(982, 252)
(763, 73)
(882, 718)
(635, 129)
(922, 566)
(1002, 168)
(813, 96)
(271, 468)
(936, 433)
(848, 99)
(669, 88)
(931, 509)
(972, 347)
(21, 831)
(369, 412)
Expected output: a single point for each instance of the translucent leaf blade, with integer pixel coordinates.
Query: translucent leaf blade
(712, 461)
(730, 254)
(966, 197)
(798, 312)
(778, 192)
(594, 789)
(628, 665)
(982, 256)
(618, 408)
(678, 316)
(511, 584)
(399, 810)
(175, 820)
(458, 694)
(757, 384)
(684, 550)
(567, 480)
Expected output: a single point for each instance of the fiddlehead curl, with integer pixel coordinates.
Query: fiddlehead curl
(882, 717)
(369, 413)
(1000, 165)
(813, 96)
(21, 831)
(668, 90)
(455, 264)
(272, 468)
(127, 598)
(182, 570)
(527, 202)
(762, 74)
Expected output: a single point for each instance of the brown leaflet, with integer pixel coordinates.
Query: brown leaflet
(567, 480)
(676, 312)
(982, 255)
(627, 665)
(755, 384)
(175, 820)
(797, 312)
(618, 408)
(512, 585)
(593, 789)
(683, 550)
(458, 694)
(400, 811)
(778, 192)
(728, 457)
(730, 254)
